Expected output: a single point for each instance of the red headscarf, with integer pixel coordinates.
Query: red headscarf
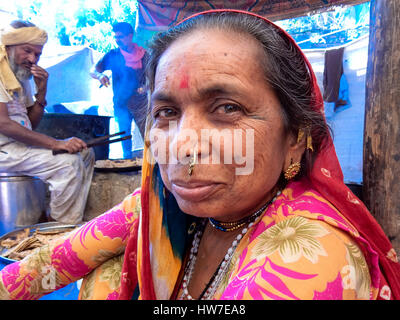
(327, 178)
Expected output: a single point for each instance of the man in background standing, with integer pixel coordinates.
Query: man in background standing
(127, 66)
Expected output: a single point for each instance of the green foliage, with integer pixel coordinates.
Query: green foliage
(339, 25)
(89, 22)
(76, 22)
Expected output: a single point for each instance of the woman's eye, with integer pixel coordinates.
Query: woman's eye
(229, 108)
(165, 113)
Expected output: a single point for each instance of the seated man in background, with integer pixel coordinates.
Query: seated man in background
(26, 152)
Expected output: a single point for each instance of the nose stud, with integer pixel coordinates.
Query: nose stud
(192, 162)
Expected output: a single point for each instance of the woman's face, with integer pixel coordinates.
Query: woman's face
(209, 90)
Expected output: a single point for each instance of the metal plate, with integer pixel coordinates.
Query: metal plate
(121, 169)
(47, 226)
(119, 165)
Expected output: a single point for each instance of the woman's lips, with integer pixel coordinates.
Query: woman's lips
(195, 190)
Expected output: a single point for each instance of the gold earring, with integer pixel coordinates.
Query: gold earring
(302, 132)
(292, 170)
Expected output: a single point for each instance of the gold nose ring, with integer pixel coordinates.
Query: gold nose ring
(192, 162)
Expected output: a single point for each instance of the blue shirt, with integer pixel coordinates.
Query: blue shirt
(125, 80)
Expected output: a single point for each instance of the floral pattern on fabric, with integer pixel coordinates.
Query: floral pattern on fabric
(292, 238)
(357, 266)
(103, 283)
(94, 251)
(301, 248)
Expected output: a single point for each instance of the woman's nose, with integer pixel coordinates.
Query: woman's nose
(187, 135)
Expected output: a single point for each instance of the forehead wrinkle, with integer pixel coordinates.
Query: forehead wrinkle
(179, 58)
(224, 84)
(185, 58)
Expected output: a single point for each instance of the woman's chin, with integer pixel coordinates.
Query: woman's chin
(200, 209)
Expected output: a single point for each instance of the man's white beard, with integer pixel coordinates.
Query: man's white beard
(20, 72)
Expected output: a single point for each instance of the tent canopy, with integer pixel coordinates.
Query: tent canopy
(160, 14)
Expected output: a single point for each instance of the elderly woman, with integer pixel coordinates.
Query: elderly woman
(206, 224)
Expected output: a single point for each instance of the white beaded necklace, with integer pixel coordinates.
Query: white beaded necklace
(222, 268)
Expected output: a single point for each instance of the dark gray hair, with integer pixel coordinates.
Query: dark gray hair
(284, 69)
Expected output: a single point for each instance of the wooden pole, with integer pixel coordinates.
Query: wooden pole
(381, 171)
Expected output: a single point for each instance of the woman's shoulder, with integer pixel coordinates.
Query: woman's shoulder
(299, 199)
(301, 258)
(302, 248)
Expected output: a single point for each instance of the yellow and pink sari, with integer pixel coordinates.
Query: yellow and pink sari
(316, 241)
(300, 248)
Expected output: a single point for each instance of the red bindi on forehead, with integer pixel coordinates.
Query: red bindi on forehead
(184, 84)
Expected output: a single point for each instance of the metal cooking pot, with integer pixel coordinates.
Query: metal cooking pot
(22, 201)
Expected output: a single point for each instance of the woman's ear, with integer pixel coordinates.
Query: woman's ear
(297, 146)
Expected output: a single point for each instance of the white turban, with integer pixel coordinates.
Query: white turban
(30, 35)
(17, 36)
